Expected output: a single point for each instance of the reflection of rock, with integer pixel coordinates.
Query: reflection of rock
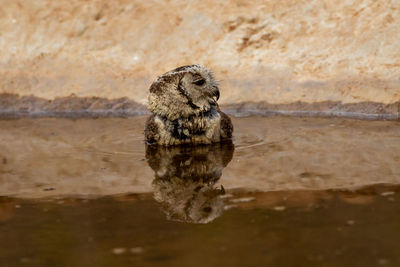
(185, 177)
(7, 208)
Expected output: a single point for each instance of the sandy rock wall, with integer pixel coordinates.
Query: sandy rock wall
(274, 51)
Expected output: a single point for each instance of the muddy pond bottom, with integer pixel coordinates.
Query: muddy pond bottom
(285, 192)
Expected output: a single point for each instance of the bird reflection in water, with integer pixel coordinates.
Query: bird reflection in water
(185, 178)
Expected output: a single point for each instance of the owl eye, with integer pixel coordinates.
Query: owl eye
(199, 82)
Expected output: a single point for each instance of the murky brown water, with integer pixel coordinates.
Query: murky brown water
(286, 192)
(301, 228)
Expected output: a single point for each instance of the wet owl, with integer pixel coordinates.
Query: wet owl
(185, 109)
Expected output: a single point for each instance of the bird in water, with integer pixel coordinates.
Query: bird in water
(185, 109)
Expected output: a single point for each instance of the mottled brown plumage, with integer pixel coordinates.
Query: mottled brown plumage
(185, 110)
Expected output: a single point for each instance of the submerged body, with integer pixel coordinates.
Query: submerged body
(185, 110)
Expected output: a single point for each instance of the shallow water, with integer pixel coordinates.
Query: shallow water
(53, 157)
(287, 192)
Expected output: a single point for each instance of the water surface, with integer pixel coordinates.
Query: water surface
(302, 228)
(107, 155)
(285, 192)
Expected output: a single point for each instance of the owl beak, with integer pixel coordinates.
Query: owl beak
(215, 93)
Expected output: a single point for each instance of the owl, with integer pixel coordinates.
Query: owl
(185, 109)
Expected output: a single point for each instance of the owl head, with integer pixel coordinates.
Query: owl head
(183, 92)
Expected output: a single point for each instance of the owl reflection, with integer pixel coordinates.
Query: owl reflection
(185, 110)
(185, 178)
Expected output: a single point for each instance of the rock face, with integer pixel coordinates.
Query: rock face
(274, 51)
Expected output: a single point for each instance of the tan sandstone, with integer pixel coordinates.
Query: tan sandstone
(272, 51)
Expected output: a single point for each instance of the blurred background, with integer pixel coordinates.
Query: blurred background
(270, 52)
